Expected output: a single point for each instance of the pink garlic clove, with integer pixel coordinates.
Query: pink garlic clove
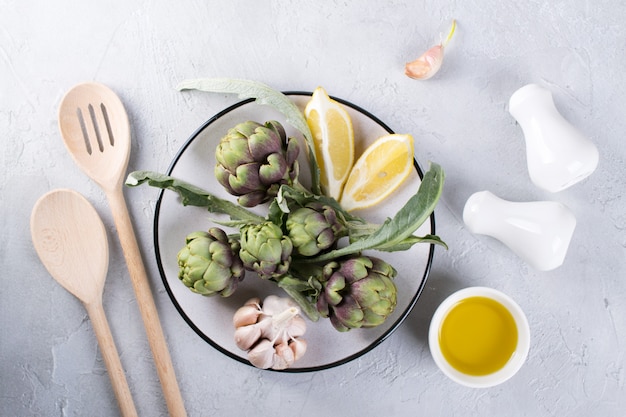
(284, 357)
(247, 336)
(426, 65)
(429, 63)
(262, 355)
(297, 327)
(298, 347)
(248, 314)
(272, 304)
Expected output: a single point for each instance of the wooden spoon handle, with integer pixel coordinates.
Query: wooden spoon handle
(111, 358)
(145, 301)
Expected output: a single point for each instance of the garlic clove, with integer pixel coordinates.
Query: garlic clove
(429, 63)
(253, 302)
(298, 347)
(297, 327)
(284, 357)
(262, 355)
(246, 336)
(246, 315)
(426, 65)
(273, 304)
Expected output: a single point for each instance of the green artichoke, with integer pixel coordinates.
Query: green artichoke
(265, 250)
(209, 263)
(254, 160)
(314, 228)
(357, 292)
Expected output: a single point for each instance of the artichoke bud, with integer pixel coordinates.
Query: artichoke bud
(314, 228)
(357, 292)
(254, 160)
(265, 250)
(209, 263)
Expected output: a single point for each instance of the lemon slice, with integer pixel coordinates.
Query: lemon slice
(333, 139)
(378, 172)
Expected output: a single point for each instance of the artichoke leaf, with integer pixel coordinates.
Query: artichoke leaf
(396, 233)
(192, 195)
(412, 240)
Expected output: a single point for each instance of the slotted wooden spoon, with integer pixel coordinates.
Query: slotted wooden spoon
(95, 128)
(71, 242)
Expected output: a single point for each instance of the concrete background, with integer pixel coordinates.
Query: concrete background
(49, 359)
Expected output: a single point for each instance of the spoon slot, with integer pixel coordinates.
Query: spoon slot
(83, 128)
(95, 127)
(107, 122)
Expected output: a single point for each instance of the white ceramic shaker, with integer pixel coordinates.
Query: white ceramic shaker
(558, 155)
(539, 232)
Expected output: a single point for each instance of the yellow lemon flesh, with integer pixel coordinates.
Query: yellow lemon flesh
(333, 139)
(378, 172)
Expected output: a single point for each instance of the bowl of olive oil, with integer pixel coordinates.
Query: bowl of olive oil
(479, 337)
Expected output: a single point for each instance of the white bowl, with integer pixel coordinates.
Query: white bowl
(517, 358)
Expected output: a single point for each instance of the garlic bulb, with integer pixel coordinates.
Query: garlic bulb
(270, 331)
(429, 63)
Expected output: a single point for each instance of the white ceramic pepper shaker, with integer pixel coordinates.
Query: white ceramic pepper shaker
(558, 155)
(539, 232)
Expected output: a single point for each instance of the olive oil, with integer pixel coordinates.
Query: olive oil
(478, 336)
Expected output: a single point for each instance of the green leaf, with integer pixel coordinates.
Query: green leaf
(396, 232)
(412, 240)
(263, 94)
(193, 196)
(297, 290)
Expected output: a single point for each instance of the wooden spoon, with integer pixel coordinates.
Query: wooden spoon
(95, 129)
(71, 242)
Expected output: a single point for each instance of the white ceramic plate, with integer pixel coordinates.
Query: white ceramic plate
(211, 317)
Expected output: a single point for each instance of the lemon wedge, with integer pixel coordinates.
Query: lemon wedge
(378, 172)
(333, 139)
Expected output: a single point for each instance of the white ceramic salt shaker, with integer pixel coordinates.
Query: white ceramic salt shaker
(539, 232)
(557, 154)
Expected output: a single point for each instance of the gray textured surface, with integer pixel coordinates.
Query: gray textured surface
(49, 360)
